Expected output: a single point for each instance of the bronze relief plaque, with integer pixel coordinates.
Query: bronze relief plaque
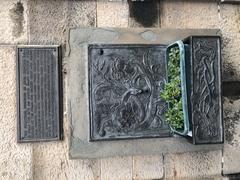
(125, 82)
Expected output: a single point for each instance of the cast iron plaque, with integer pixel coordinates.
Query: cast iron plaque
(39, 82)
(125, 82)
(206, 99)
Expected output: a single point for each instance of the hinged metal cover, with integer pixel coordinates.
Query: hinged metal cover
(39, 93)
(206, 92)
(125, 82)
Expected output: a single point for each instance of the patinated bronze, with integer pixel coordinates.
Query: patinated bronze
(205, 89)
(125, 82)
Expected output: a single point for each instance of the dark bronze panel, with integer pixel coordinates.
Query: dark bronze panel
(39, 93)
(206, 90)
(125, 82)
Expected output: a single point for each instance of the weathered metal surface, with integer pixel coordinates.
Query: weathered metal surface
(206, 102)
(125, 85)
(39, 85)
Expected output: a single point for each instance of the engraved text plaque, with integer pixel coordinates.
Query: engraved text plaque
(39, 92)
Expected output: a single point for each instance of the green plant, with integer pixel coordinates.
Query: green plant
(172, 91)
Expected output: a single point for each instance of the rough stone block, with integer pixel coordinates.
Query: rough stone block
(51, 19)
(81, 13)
(13, 20)
(231, 153)
(51, 162)
(48, 21)
(15, 159)
(112, 14)
(189, 14)
(116, 168)
(148, 167)
(193, 164)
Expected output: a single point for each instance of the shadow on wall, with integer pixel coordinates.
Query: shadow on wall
(16, 15)
(144, 12)
(231, 88)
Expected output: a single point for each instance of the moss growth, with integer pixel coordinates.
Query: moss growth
(172, 91)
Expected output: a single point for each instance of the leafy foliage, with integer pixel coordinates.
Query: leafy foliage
(172, 91)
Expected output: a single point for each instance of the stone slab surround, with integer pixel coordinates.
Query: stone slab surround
(78, 106)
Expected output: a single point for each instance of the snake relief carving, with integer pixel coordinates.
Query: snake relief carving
(125, 87)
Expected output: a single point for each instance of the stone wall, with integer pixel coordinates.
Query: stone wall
(48, 22)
